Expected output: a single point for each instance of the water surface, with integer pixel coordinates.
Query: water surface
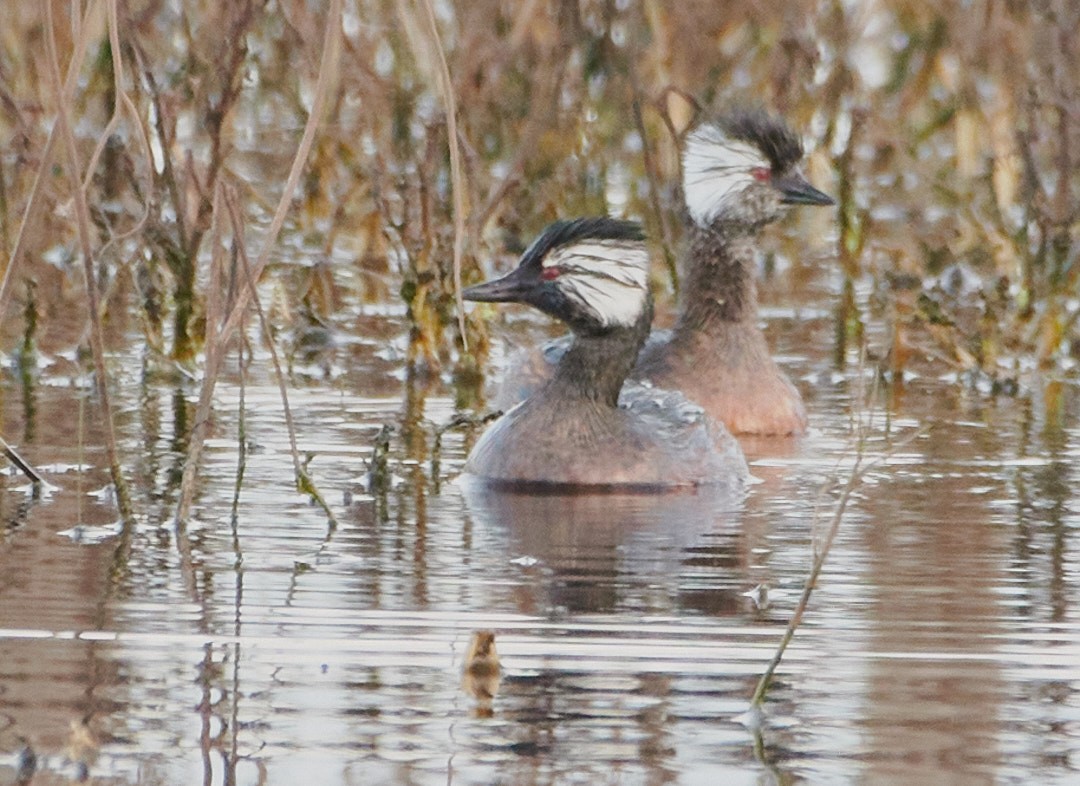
(941, 645)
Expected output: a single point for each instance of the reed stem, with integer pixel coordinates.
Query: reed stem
(82, 213)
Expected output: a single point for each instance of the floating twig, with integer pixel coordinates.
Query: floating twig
(21, 463)
(858, 470)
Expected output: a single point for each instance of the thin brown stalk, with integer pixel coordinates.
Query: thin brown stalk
(662, 105)
(523, 24)
(215, 304)
(457, 178)
(535, 124)
(82, 213)
(241, 444)
(118, 90)
(214, 353)
(213, 318)
(303, 481)
(542, 108)
(44, 172)
(168, 170)
(144, 144)
(123, 103)
(857, 472)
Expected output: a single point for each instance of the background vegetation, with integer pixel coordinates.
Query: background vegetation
(145, 145)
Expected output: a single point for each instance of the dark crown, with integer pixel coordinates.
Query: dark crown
(767, 133)
(563, 232)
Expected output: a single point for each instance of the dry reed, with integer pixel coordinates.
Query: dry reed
(215, 353)
(35, 202)
(457, 176)
(304, 482)
(82, 212)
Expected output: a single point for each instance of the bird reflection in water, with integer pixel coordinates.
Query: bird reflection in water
(591, 551)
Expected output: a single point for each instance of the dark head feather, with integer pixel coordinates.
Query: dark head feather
(562, 232)
(767, 133)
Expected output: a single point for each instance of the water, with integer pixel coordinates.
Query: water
(941, 645)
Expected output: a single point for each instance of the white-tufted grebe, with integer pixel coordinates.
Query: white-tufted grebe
(740, 173)
(573, 432)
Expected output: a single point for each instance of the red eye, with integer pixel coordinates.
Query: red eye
(762, 174)
(550, 273)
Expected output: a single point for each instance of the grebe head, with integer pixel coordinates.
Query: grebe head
(591, 273)
(743, 168)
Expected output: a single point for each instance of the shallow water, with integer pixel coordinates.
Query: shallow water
(941, 645)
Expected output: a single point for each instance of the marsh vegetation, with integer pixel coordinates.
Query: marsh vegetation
(147, 144)
(232, 236)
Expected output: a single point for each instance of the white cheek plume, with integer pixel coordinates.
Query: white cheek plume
(610, 278)
(716, 170)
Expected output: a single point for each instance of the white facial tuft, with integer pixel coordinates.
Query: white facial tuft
(608, 277)
(716, 169)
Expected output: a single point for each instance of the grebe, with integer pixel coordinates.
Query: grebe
(740, 173)
(573, 432)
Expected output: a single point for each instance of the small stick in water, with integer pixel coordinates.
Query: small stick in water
(21, 463)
